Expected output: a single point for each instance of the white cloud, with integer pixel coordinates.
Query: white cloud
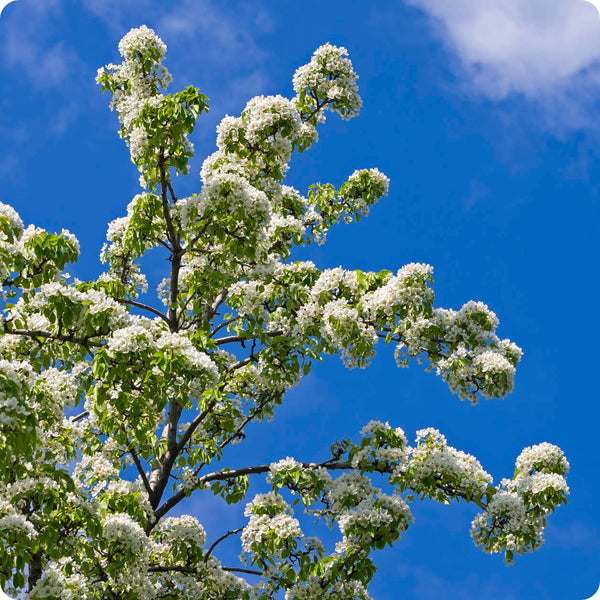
(29, 47)
(533, 47)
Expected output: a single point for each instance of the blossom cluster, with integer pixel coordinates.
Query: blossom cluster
(514, 520)
(439, 470)
(270, 520)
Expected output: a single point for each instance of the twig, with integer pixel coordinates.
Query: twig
(143, 307)
(140, 469)
(219, 540)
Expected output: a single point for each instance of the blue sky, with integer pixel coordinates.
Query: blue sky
(484, 114)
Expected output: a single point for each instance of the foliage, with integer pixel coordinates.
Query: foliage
(159, 394)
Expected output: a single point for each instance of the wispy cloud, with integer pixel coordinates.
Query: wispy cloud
(46, 62)
(48, 72)
(527, 46)
(546, 51)
(46, 67)
(576, 535)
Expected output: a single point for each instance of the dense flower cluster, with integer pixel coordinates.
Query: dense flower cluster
(114, 411)
(270, 518)
(515, 519)
(436, 466)
(328, 78)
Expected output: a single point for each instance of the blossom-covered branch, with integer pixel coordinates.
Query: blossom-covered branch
(116, 407)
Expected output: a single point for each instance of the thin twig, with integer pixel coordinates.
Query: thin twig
(80, 416)
(143, 307)
(219, 540)
(53, 336)
(240, 570)
(223, 324)
(140, 469)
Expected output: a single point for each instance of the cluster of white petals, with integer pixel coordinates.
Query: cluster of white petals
(11, 221)
(312, 588)
(269, 516)
(330, 75)
(435, 465)
(134, 86)
(407, 288)
(385, 447)
(140, 42)
(542, 457)
(285, 464)
(515, 519)
(184, 529)
(229, 193)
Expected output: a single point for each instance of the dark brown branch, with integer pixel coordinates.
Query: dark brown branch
(173, 569)
(194, 571)
(171, 234)
(223, 324)
(190, 430)
(173, 196)
(219, 540)
(241, 363)
(211, 311)
(143, 307)
(240, 570)
(35, 570)
(80, 416)
(34, 333)
(178, 251)
(161, 469)
(224, 475)
(230, 339)
(238, 432)
(140, 470)
(258, 469)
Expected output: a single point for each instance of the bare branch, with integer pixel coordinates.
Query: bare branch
(190, 430)
(80, 416)
(241, 363)
(173, 569)
(234, 473)
(142, 306)
(162, 468)
(219, 540)
(223, 324)
(171, 234)
(218, 301)
(35, 333)
(140, 469)
(240, 570)
(230, 339)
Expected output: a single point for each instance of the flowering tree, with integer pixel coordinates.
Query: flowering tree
(157, 395)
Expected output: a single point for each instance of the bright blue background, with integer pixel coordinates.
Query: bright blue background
(506, 211)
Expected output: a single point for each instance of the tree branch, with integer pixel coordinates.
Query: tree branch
(219, 540)
(240, 570)
(223, 324)
(80, 416)
(142, 306)
(241, 363)
(162, 467)
(190, 430)
(224, 475)
(140, 469)
(34, 333)
(230, 339)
